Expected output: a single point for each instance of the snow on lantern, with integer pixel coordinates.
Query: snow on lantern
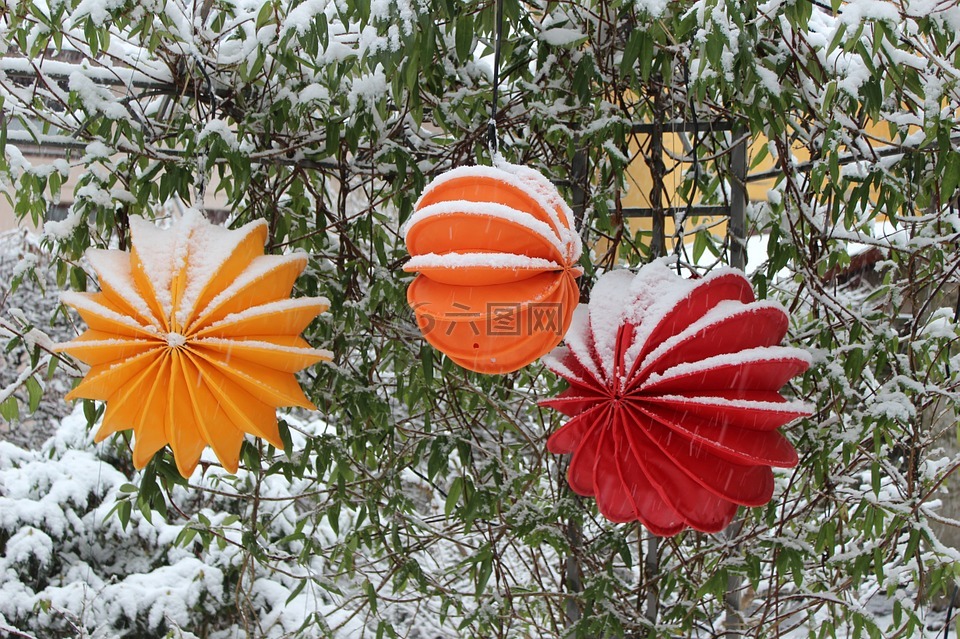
(495, 248)
(193, 340)
(674, 398)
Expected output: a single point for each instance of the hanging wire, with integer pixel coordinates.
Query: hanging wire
(492, 136)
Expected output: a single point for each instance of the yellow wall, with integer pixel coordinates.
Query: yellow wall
(639, 181)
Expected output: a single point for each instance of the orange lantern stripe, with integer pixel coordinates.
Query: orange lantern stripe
(472, 184)
(465, 304)
(117, 284)
(479, 269)
(125, 406)
(95, 347)
(269, 278)
(99, 316)
(467, 227)
(243, 409)
(150, 435)
(276, 387)
(180, 425)
(283, 317)
(241, 251)
(102, 380)
(211, 420)
(283, 353)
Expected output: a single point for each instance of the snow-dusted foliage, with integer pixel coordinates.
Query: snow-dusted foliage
(425, 505)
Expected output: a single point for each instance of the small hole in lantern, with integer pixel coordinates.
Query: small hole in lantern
(475, 345)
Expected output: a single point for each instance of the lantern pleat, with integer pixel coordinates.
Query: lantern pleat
(483, 228)
(243, 253)
(93, 309)
(102, 380)
(701, 509)
(181, 427)
(97, 348)
(474, 269)
(283, 317)
(126, 404)
(486, 188)
(749, 485)
(243, 409)
(211, 419)
(148, 440)
(723, 334)
(287, 353)
(117, 285)
(728, 440)
(693, 306)
(765, 368)
(268, 279)
(274, 386)
(192, 341)
(496, 256)
(674, 399)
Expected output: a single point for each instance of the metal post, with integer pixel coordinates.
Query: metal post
(737, 234)
(737, 227)
(658, 243)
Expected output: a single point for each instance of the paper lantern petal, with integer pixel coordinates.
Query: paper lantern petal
(496, 257)
(192, 340)
(97, 348)
(150, 429)
(102, 380)
(758, 368)
(117, 285)
(126, 403)
(283, 317)
(102, 318)
(727, 440)
(737, 483)
(673, 398)
(268, 278)
(718, 333)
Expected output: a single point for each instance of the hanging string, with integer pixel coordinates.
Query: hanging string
(493, 139)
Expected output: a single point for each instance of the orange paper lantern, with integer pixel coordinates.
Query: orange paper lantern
(495, 248)
(192, 339)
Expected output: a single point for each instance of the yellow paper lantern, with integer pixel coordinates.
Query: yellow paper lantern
(193, 339)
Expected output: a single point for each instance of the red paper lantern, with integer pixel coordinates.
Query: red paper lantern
(495, 248)
(674, 398)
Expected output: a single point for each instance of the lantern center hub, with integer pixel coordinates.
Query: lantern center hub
(175, 340)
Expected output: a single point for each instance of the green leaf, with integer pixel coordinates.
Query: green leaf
(456, 489)
(951, 176)
(371, 594)
(265, 15)
(10, 409)
(464, 38)
(35, 392)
